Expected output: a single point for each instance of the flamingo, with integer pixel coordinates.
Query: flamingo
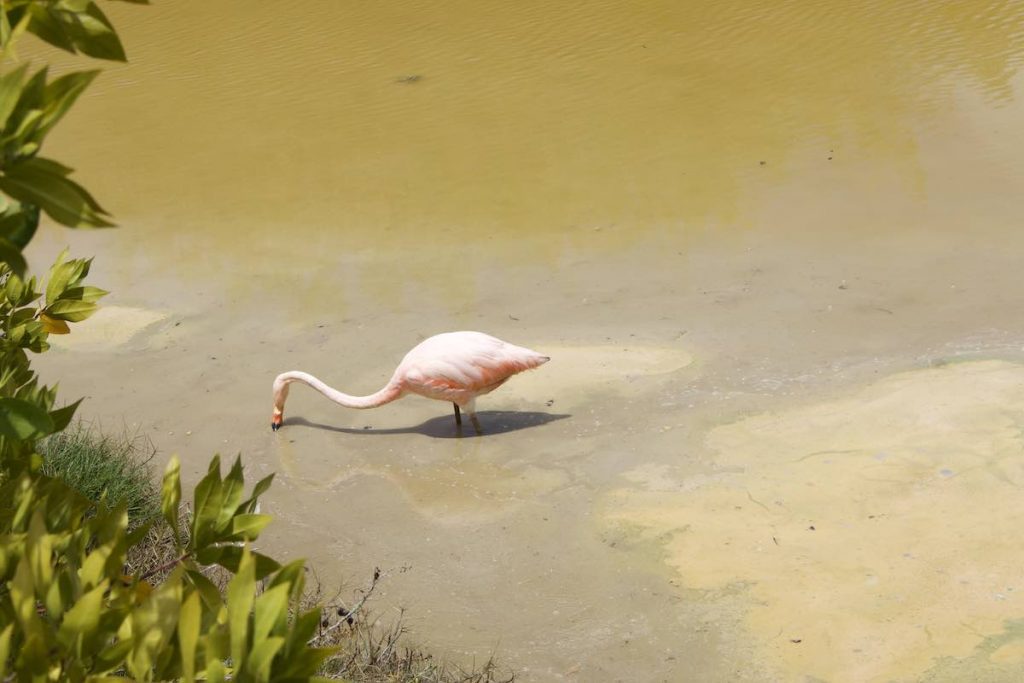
(453, 366)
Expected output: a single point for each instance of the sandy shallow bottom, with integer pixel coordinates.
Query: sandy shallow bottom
(639, 508)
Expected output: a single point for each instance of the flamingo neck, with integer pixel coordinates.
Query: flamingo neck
(390, 392)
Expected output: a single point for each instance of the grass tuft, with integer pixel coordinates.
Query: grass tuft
(375, 650)
(95, 463)
(369, 652)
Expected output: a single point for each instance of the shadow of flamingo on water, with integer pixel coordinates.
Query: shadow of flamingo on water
(442, 427)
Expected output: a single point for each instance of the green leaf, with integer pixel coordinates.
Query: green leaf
(71, 310)
(240, 600)
(14, 289)
(247, 527)
(249, 505)
(207, 502)
(82, 620)
(31, 99)
(214, 670)
(26, 291)
(153, 624)
(22, 420)
(206, 589)
(18, 223)
(94, 568)
(136, 535)
(60, 94)
(5, 649)
(5, 40)
(112, 657)
(209, 554)
(231, 494)
(271, 610)
(10, 91)
(51, 166)
(39, 552)
(60, 594)
(90, 294)
(170, 496)
(93, 34)
(25, 502)
(299, 661)
(304, 661)
(11, 255)
(33, 654)
(10, 34)
(29, 148)
(63, 200)
(23, 601)
(62, 416)
(27, 127)
(230, 557)
(262, 485)
(261, 656)
(48, 27)
(292, 574)
(188, 634)
(62, 274)
(22, 315)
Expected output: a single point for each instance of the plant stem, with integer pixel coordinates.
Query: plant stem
(165, 566)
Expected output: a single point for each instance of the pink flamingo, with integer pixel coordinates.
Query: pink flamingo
(454, 366)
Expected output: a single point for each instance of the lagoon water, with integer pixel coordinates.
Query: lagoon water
(773, 249)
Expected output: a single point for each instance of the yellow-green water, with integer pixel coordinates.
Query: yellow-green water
(744, 231)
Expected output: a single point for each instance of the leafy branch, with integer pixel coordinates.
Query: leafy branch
(68, 609)
(72, 614)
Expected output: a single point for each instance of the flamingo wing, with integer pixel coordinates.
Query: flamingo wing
(458, 366)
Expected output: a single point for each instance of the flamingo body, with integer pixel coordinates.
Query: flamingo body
(454, 366)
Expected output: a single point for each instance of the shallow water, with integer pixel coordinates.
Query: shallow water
(772, 248)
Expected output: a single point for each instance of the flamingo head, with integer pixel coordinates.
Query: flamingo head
(280, 395)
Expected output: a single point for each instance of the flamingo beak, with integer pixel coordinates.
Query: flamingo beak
(275, 422)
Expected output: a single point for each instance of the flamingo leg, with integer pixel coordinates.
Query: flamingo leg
(458, 415)
(476, 424)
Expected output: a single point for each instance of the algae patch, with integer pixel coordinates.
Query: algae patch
(875, 533)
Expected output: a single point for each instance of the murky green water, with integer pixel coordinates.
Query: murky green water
(717, 218)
